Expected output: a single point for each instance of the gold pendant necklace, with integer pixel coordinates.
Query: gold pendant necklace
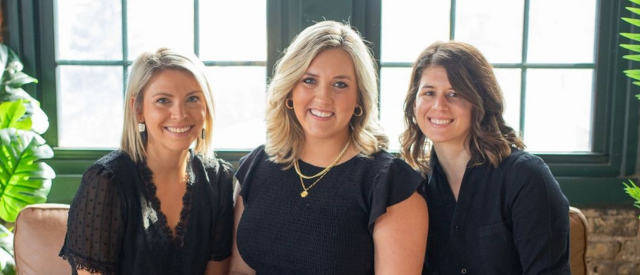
(321, 174)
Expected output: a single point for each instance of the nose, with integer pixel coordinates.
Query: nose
(323, 93)
(178, 111)
(440, 103)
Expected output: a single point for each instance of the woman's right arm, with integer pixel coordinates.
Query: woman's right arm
(95, 226)
(237, 265)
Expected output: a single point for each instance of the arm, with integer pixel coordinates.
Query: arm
(237, 265)
(400, 237)
(217, 268)
(540, 214)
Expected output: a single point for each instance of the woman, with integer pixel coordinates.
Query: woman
(155, 206)
(494, 209)
(323, 196)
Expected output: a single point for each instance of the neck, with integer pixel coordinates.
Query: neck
(323, 152)
(453, 159)
(167, 167)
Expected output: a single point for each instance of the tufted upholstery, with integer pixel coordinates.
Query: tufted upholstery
(39, 234)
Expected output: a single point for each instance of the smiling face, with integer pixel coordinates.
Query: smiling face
(442, 115)
(325, 97)
(173, 110)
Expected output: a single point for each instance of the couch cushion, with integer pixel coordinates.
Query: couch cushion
(39, 234)
(578, 250)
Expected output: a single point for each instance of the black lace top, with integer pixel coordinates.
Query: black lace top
(116, 227)
(328, 232)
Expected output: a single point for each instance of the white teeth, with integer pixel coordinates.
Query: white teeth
(441, 121)
(178, 130)
(320, 113)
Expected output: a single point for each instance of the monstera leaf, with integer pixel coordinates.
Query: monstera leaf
(7, 262)
(12, 116)
(12, 80)
(24, 179)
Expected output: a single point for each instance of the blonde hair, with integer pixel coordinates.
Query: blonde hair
(285, 135)
(147, 65)
(472, 77)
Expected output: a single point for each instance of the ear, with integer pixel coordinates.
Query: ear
(132, 105)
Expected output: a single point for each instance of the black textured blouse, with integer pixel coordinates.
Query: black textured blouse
(116, 227)
(328, 232)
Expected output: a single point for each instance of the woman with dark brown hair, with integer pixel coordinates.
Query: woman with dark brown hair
(493, 208)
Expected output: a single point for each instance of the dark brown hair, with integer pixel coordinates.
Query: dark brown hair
(472, 77)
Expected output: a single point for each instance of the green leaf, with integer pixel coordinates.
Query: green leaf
(638, 95)
(635, 48)
(634, 57)
(11, 116)
(18, 79)
(632, 36)
(632, 21)
(635, 1)
(24, 178)
(634, 10)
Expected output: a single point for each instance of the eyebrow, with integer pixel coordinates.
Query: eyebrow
(171, 95)
(336, 77)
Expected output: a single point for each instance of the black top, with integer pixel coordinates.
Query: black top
(509, 220)
(329, 231)
(116, 227)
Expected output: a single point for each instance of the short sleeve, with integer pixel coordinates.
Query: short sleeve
(96, 224)
(246, 167)
(395, 182)
(223, 228)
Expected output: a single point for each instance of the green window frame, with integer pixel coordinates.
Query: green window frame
(591, 178)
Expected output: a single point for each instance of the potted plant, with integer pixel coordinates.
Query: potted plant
(24, 178)
(631, 188)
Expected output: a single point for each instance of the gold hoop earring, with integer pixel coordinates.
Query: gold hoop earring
(286, 103)
(356, 113)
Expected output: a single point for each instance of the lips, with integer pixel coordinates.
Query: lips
(438, 121)
(178, 130)
(319, 113)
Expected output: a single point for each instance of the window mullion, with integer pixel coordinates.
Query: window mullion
(523, 76)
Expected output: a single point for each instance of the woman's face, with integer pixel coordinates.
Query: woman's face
(174, 111)
(442, 115)
(325, 97)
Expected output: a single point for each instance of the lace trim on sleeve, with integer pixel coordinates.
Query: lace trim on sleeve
(78, 262)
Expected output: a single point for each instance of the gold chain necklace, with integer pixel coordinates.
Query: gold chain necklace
(321, 174)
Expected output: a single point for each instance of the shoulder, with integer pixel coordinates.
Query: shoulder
(216, 167)
(255, 154)
(383, 163)
(523, 162)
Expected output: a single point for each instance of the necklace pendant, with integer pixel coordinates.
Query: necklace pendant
(304, 194)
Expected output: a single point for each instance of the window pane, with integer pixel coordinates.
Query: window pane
(493, 26)
(245, 41)
(170, 24)
(562, 31)
(90, 110)
(394, 83)
(88, 30)
(408, 27)
(509, 80)
(239, 94)
(558, 110)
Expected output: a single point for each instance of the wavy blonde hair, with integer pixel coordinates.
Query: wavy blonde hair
(147, 65)
(285, 135)
(472, 77)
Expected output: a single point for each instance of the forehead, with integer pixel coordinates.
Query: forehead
(335, 60)
(172, 81)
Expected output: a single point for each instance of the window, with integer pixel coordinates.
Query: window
(97, 41)
(543, 59)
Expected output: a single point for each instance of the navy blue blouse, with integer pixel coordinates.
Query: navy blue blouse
(509, 220)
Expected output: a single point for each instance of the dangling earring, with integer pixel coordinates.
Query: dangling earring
(286, 103)
(142, 128)
(203, 133)
(356, 113)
